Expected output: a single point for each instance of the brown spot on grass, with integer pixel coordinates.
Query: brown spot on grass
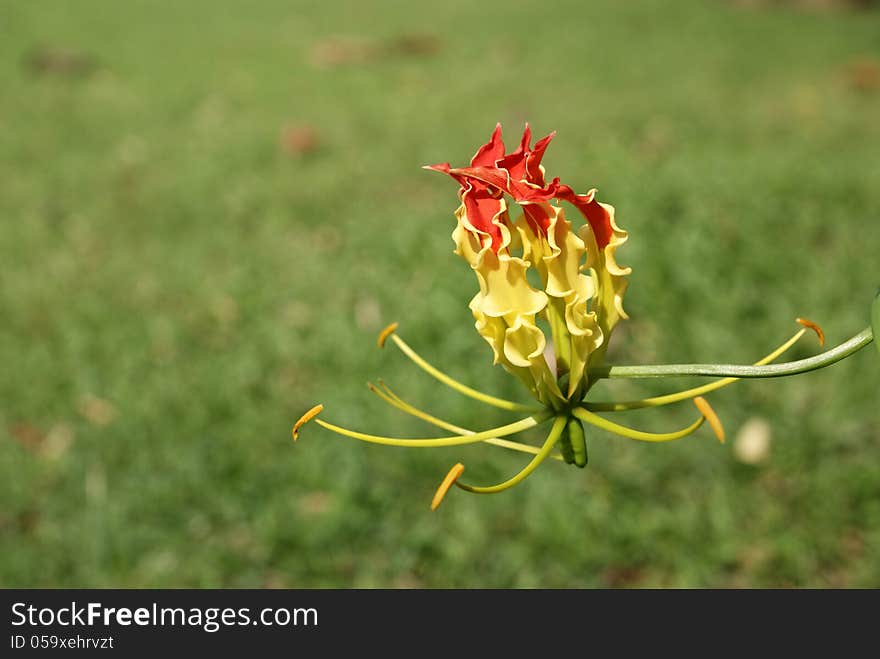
(299, 140)
(60, 62)
(862, 74)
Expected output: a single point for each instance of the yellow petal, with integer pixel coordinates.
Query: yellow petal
(523, 342)
(610, 280)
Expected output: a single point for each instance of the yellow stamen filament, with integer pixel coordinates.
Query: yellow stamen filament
(813, 326)
(396, 401)
(384, 334)
(656, 401)
(710, 416)
(596, 420)
(305, 418)
(437, 442)
(552, 438)
(455, 384)
(451, 477)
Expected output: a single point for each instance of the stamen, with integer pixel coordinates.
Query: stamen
(451, 477)
(396, 401)
(436, 442)
(710, 416)
(385, 333)
(455, 384)
(666, 399)
(552, 438)
(813, 326)
(305, 418)
(631, 433)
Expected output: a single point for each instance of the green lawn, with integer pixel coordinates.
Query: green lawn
(177, 287)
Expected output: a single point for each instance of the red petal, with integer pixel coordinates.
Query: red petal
(515, 162)
(598, 218)
(533, 160)
(444, 168)
(487, 154)
(493, 176)
(524, 163)
(538, 217)
(481, 207)
(500, 178)
(519, 175)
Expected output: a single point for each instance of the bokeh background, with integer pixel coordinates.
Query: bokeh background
(210, 208)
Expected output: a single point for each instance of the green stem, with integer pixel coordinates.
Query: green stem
(656, 401)
(827, 358)
(875, 317)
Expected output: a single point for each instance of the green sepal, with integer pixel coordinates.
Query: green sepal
(575, 435)
(566, 449)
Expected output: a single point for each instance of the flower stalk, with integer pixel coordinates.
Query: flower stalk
(738, 371)
(875, 318)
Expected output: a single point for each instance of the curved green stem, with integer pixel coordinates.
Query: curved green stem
(827, 358)
(875, 317)
(552, 438)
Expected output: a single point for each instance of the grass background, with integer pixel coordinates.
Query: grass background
(209, 209)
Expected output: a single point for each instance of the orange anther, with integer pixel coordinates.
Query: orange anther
(448, 482)
(710, 416)
(813, 326)
(385, 333)
(305, 418)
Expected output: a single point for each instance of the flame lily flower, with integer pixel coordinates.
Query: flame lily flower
(553, 337)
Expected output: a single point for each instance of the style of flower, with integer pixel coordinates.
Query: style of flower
(553, 338)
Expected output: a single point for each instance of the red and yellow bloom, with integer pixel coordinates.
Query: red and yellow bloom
(582, 286)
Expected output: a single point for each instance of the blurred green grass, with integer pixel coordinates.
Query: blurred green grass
(178, 287)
